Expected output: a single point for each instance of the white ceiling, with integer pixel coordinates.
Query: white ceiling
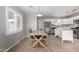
(58, 11)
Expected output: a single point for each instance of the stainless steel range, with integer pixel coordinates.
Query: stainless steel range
(76, 32)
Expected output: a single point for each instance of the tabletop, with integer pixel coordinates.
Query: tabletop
(38, 33)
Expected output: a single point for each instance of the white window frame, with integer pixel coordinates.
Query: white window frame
(17, 13)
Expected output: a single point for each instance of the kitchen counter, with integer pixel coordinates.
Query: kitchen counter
(64, 33)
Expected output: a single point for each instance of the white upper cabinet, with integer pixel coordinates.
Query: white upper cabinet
(66, 21)
(53, 21)
(70, 21)
(60, 21)
(48, 20)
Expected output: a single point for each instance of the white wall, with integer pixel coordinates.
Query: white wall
(40, 23)
(31, 21)
(8, 41)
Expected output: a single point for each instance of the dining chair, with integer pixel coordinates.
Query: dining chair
(30, 30)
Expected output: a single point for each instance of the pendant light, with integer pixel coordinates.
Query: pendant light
(39, 14)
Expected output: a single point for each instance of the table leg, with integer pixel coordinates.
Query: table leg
(38, 41)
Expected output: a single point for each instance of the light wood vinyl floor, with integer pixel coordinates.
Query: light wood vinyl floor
(54, 45)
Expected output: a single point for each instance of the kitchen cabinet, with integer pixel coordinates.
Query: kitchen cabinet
(67, 34)
(76, 21)
(66, 21)
(60, 21)
(53, 21)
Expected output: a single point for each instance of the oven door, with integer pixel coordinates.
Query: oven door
(75, 33)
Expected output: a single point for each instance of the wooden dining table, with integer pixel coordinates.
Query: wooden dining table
(39, 34)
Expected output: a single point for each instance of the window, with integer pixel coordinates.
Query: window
(13, 21)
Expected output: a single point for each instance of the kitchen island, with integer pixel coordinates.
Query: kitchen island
(64, 34)
(67, 34)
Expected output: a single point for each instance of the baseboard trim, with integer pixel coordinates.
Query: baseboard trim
(14, 44)
(2, 50)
